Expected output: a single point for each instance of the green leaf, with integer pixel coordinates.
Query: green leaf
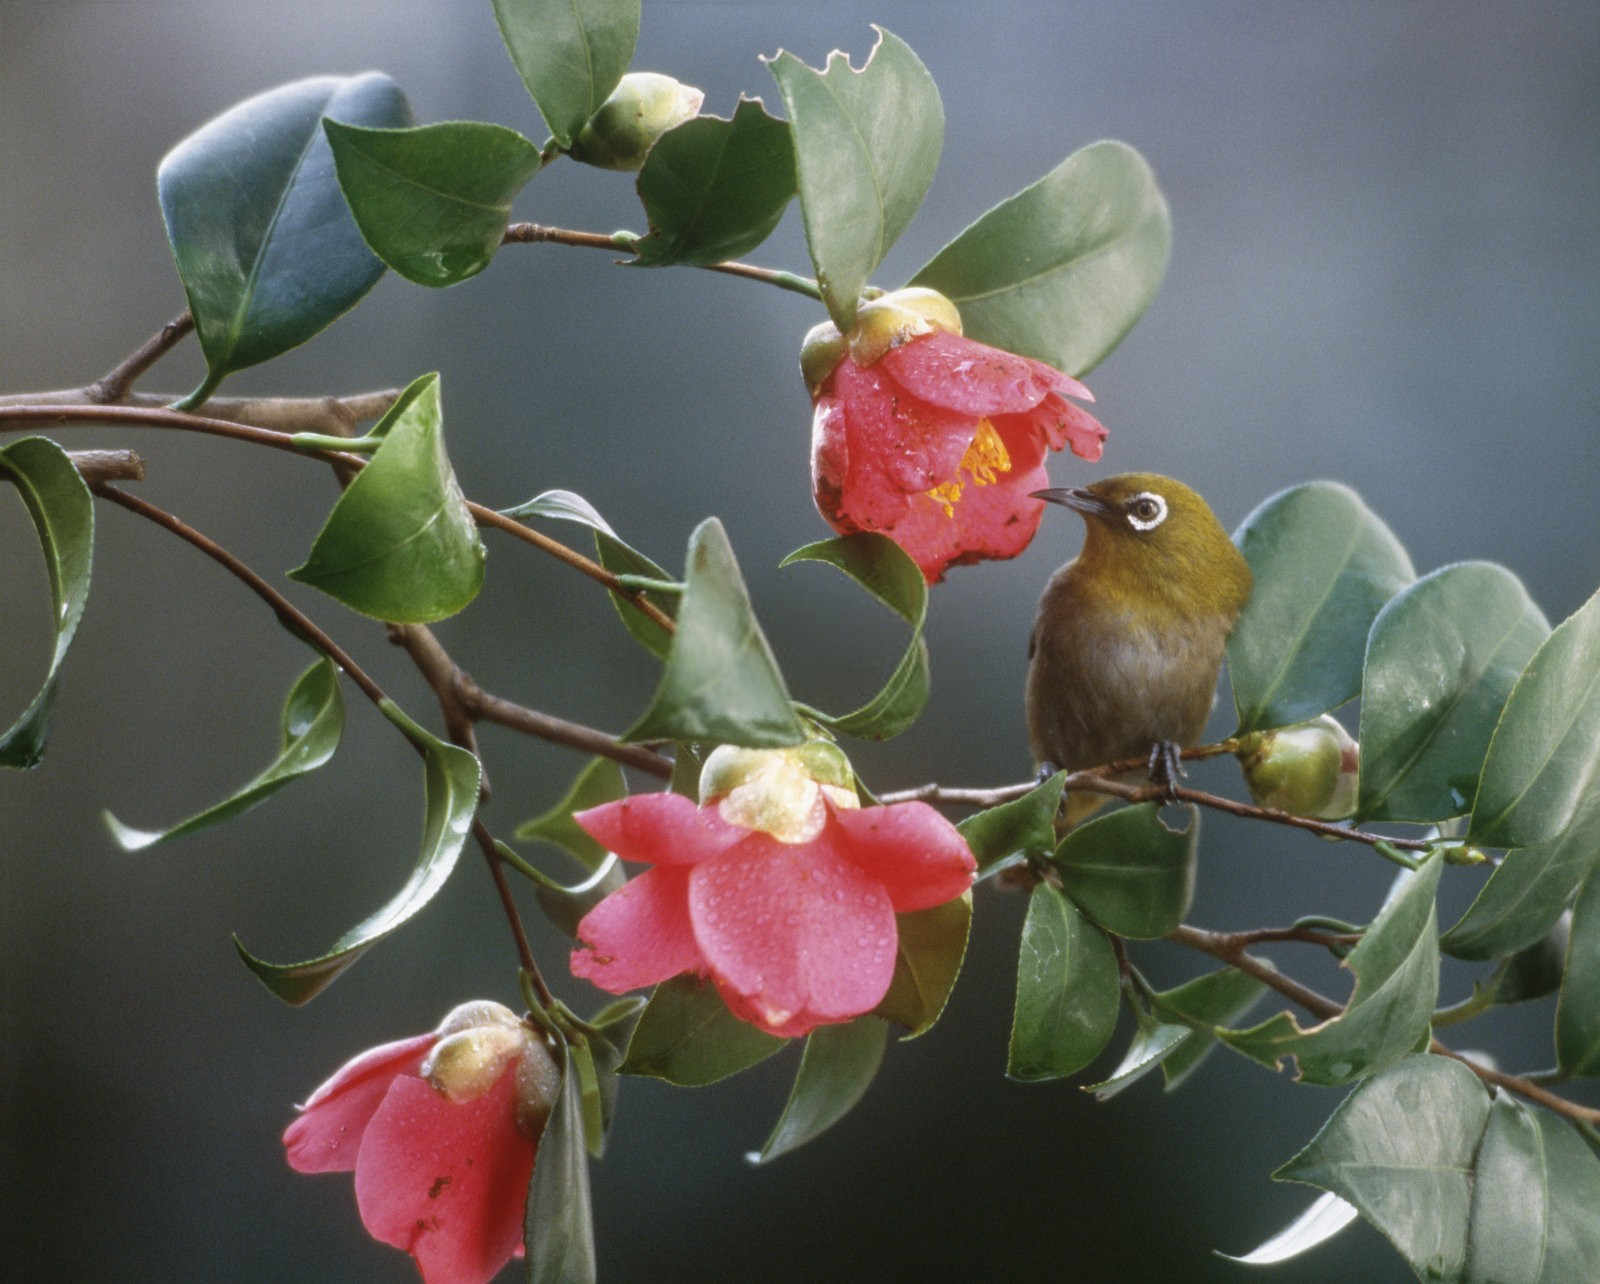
(1532, 972)
(1067, 990)
(1572, 1193)
(1026, 824)
(866, 145)
(265, 246)
(313, 719)
(1324, 564)
(1441, 660)
(1527, 892)
(599, 782)
(1063, 269)
(615, 556)
(1327, 1216)
(1544, 761)
(451, 776)
(1217, 998)
(1400, 1148)
(63, 517)
(432, 202)
(721, 681)
(714, 189)
(1129, 871)
(1396, 967)
(688, 1037)
(1152, 1043)
(836, 1069)
(569, 53)
(881, 567)
(1578, 1010)
(1507, 1232)
(932, 945)
(558, 1225)
(615, 1023)
(400, 543)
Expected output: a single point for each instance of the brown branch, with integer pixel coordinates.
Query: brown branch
(444, 676)
(107, 465)
(115, 383)
(282, 414)
(492, 708)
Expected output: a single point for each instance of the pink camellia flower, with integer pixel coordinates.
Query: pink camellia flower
(934, 439)
(780, 887)
(440, 1130)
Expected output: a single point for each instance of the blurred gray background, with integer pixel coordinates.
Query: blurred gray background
(1384, 271)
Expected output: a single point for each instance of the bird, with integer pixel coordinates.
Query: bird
(1129, 636)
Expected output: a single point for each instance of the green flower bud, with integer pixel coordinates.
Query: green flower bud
(642, 107)
(891, 319)
(538, 1086)
(465, 1065)
(1310, 769)
(820, 351)
(1536, 970)
(778, 791)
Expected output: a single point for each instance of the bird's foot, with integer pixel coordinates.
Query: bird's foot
(1044, 772)
(1166, 767)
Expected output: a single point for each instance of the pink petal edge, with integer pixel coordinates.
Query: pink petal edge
(640, 934)
(326, 1136)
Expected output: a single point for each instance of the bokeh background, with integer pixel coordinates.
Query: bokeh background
(1384, 271)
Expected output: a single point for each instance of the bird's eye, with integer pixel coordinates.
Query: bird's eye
(1146, 511)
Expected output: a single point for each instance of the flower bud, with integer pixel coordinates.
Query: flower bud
(465, 1065)
(643, 106)
(538, 1086)
(1310, 769)
(778, 791)
(820, 351)
(891, 319)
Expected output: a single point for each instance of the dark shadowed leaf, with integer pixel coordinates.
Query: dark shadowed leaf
(312, 722)
(1129, 871)
(1543, 765)
(569, 53)
(1324, 565)
(63, 517)
(615, 1023)
(1067, 990)
(866, 145)
(558, 1225)
(450, 778)
(721, 681)
(400, 543)
(836, 1069)
(1025, 825)
(881, 567)
(1396, 966)
(432, 202)
(1441, 660)
(1578, 1011)
(264, 243)
(687, 1036)
(714, 189)
(1400, 1148)
(932, 944)
(1063, 269)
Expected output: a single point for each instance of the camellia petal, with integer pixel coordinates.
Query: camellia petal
(920, 857)
(990, 522)
(327, 1135)
(658, 829)
(1063, 424)
(641, 933)
(964, 375)
(795, 935)
(446, 1181)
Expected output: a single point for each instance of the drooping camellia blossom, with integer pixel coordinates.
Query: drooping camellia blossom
(780, 888)
(935, 439)
(440, 1130)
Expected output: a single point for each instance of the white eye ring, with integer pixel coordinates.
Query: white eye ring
(1146, 499)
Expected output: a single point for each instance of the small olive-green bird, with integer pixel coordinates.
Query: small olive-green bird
(1130, 634)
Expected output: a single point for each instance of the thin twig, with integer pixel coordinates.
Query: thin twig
(284, 414)
(492, 708)
(107, 465)
(115, 383)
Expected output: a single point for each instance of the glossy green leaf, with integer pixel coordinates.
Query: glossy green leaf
(1507, 1232)
(1063, 269)
(1400, 1148)
(1216, 999)
(615, 556)
(63, 517)
(558, 1225)
(309, 731)
(1578, 1011)
(265, 246)
(688, 761)
(400, 543)
(1441, 659)
(881, 566)
(1153, 1041)
(1572, 1193)
(1324, 565)
(1396, 967)
(932, 945)
(1327, 1216)
(721, 681)
(1543, 765)
(450, 776)
(866, 145)
(1528, 891)
(599, 782)
(1067, 990)
(1026, 824)
(434, 201)
(714, 189)
(836, 1069)
(687, 1036)
(569, 53)
(1129, 871)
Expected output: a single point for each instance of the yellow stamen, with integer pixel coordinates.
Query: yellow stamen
(984, 460)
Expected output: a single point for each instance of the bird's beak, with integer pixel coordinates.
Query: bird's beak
(1083, 501)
